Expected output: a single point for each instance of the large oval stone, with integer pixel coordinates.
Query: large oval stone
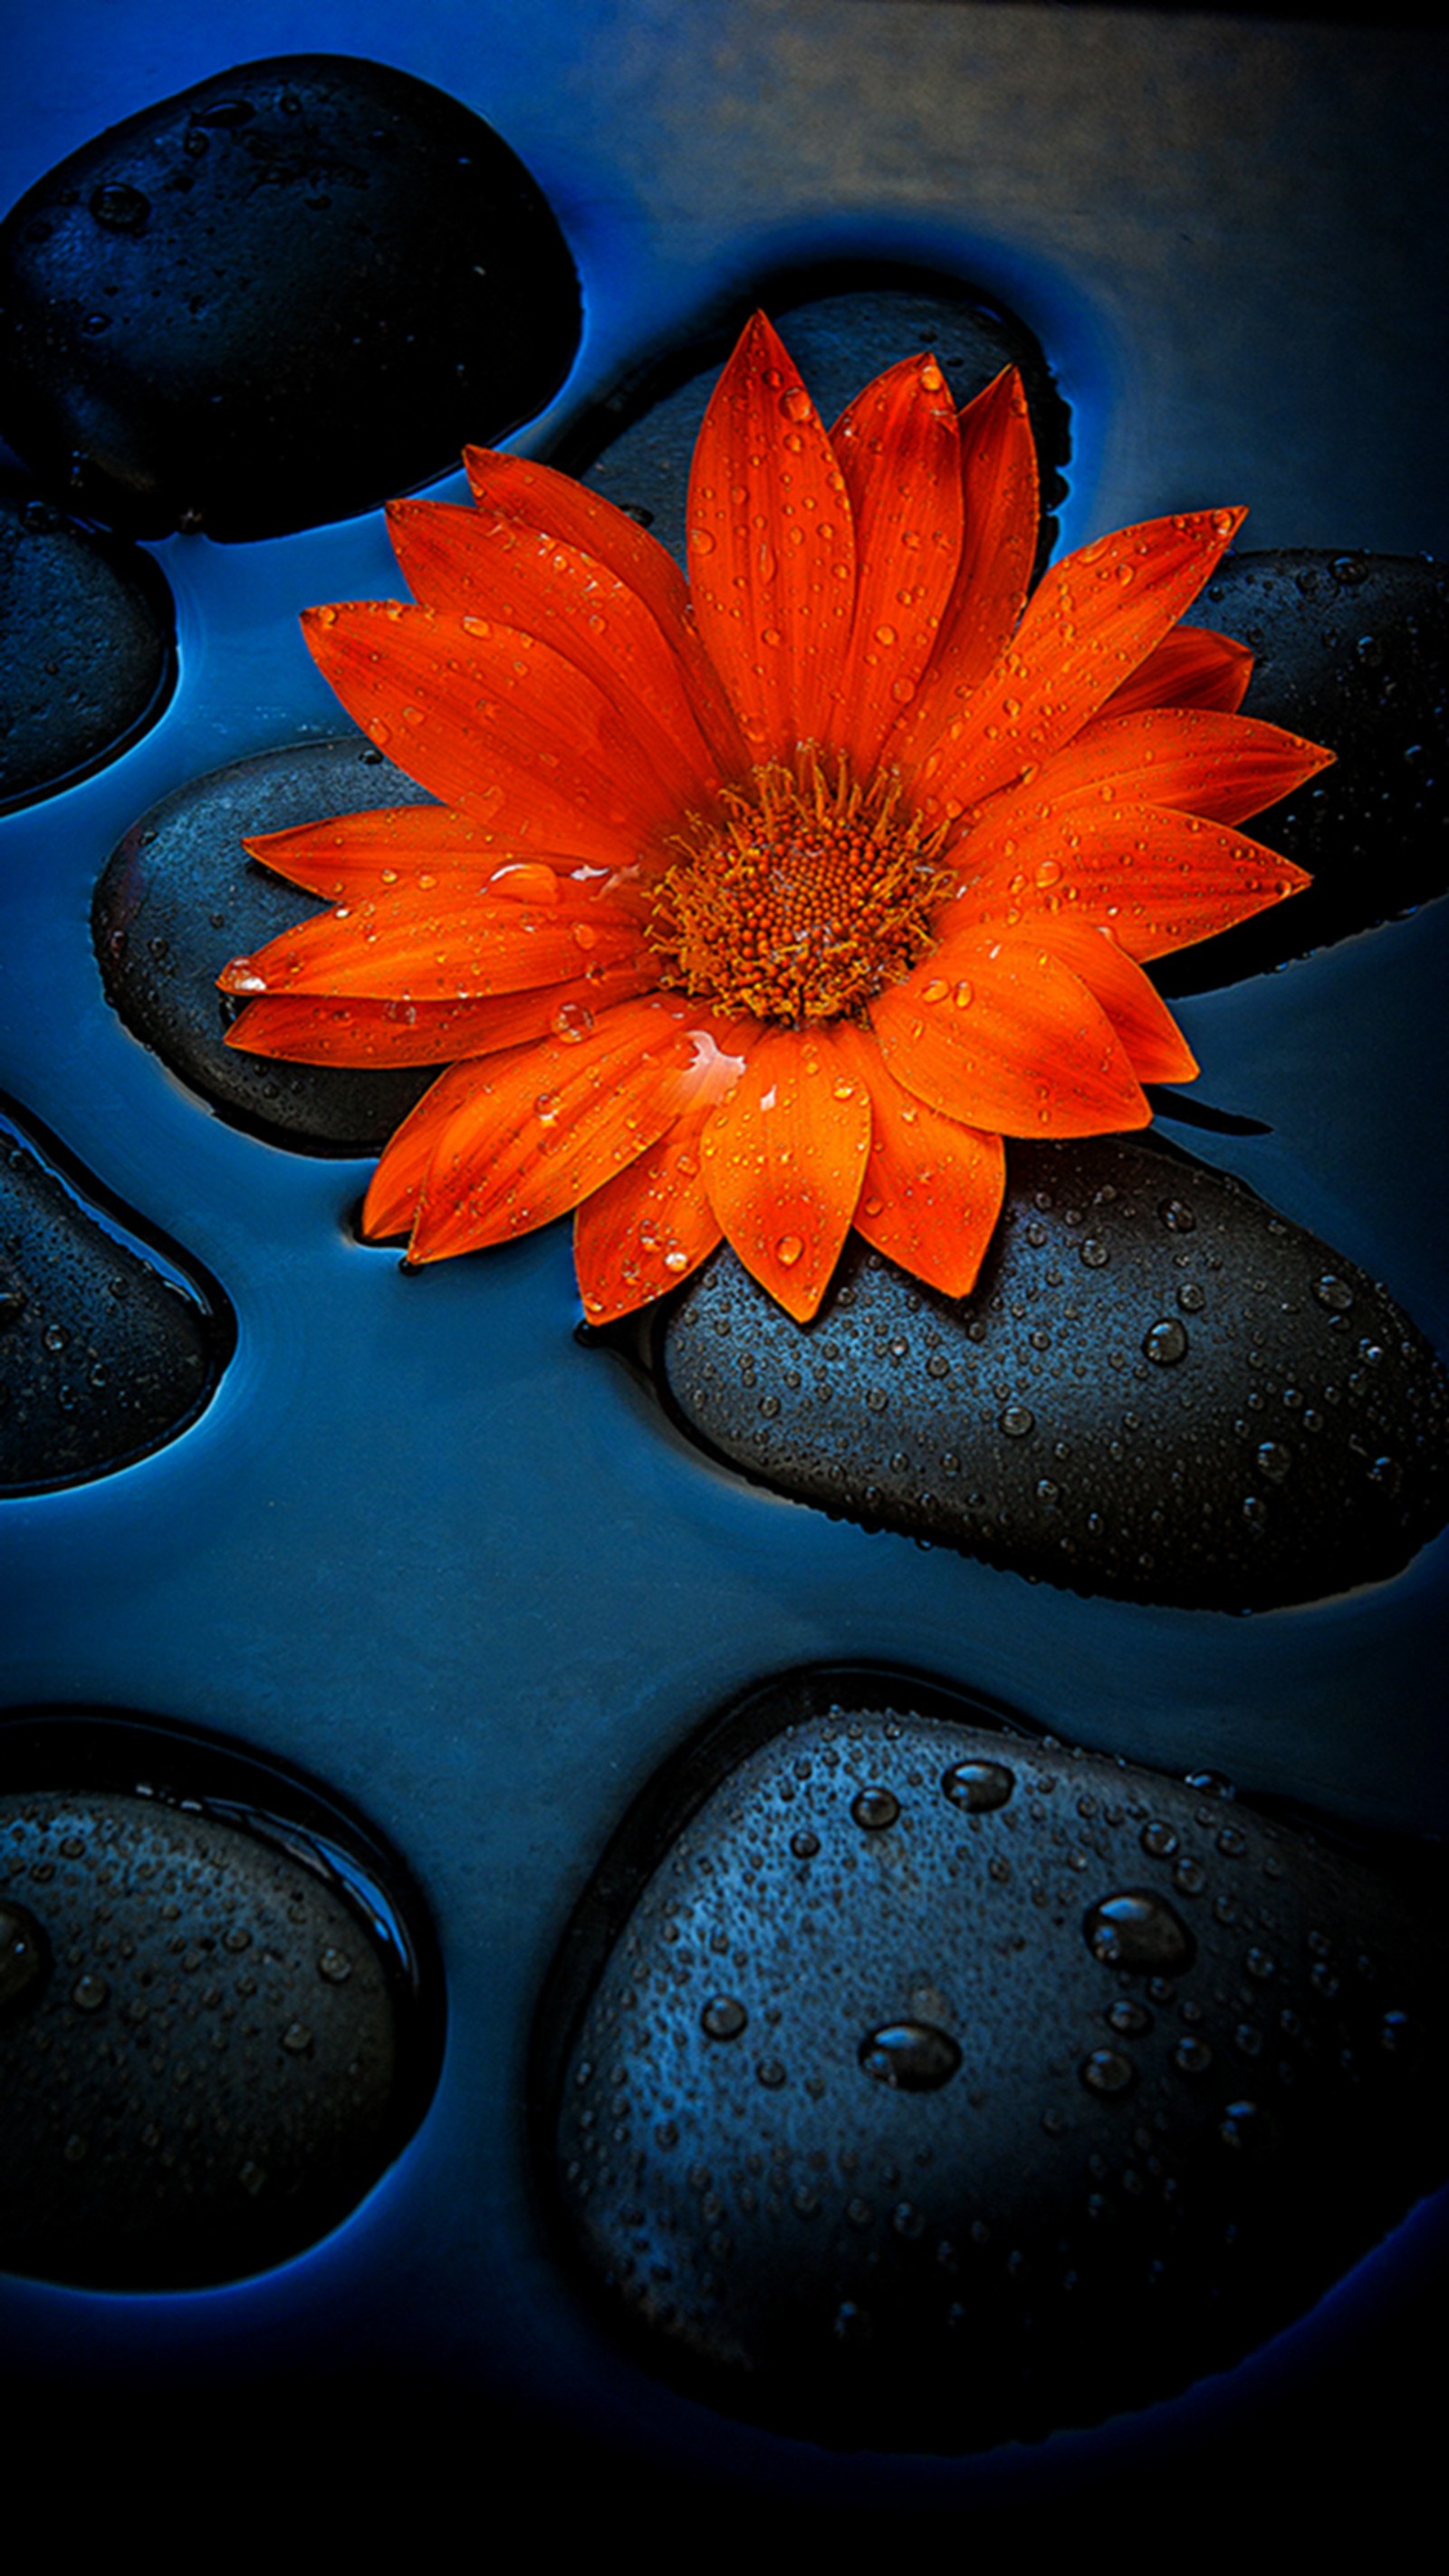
(87, 648)
(110, 1344)
(1353, 651)
(206, 2051)
(935, 2086)
(276, 298)
(179, 897)
(1158, 1388)
(841, 327)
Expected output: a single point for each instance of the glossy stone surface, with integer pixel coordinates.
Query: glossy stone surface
(199, 2044)
(109, 1345)
(87, 647)
(276, 298)
(961, 2127)
(1158, 1388)
(839, 340)
(1353, 651)
(179, 898)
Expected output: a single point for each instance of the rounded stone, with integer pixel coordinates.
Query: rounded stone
(277, 298)
(111, 1343)
(179, 898)
(87, 648)
(1278, 1445)
(188, 2091)
(1103, 2200)
(842, 327)
(1353, 651)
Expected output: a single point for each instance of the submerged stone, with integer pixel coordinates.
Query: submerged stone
(179, 898)
(277, 298)
(205, 2047)
(109, 1344)
(966, 2174)
(1353, 651)
(840, 335)
(1158, 1388)
(87, 648)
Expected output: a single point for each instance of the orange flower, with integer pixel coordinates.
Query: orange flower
(768, 908)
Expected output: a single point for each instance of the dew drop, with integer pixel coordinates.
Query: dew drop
(1333, 1293)
(910, 2056)
(1138, 1931)
(795, 403)
(22, 1954)
(788, 1249)
(723, 2017)
(978, 1786)
(1107, 2071)
(874, 1809)
(89, 1993)
(1017, 1421)
(1166, 1342)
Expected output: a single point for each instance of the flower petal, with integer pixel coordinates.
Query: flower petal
(1009, 1040)
(448, 946)
(1000, 516)
(899, 451)
(353, 854)
(524, 1136)
(771, 548)
(1159, 879)
(495, 722)
(647, 1228)
(1155, 1045)
(372, 1032)
(784, 1159)
(537, 497)
(1224, 767)
(933, 1188)
(1093, 618)
(1192, 667)
(482, 564)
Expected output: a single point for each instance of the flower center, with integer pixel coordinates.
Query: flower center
(804, 896)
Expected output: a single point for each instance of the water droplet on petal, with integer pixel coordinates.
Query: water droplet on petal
(788, 1249)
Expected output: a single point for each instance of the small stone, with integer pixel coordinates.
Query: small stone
(1374, 829)
(108, 1347)
(168, 2116)
(179, 898)
(1181, 1467)
(1099, 2182)
(838, 342)
(87, 648)
(276, 299)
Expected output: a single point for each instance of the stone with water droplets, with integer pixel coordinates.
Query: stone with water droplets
(1353, 651)
(109, 1346)
(188, 2090)
(1158, 1389)
(87, 647)
(1040, 2182)
(179, 898)
(277, 298)
(839, 341)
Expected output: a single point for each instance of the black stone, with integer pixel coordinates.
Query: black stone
(1353, 651)
(276, 298)
(841, 328)
(179, 898)
(210, 2045)
(955, 2177)
(1158, 1388)
(110, 1343)
(87, 648)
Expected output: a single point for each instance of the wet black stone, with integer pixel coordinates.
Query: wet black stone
(1158, 1388)
(179, 898)
(841, 328)
(211, 2063)
(1353, 651)
(276, 298)
(110, 1343)
(1082, 2207)
(87, 647)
